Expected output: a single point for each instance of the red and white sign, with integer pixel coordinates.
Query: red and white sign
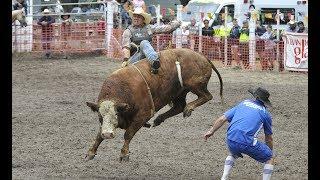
(296, 51)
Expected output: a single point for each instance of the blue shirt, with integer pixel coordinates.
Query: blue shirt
(246, 120)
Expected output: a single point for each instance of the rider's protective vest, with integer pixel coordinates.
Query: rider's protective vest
(140, 34)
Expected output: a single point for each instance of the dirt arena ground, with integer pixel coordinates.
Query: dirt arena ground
(52, 128)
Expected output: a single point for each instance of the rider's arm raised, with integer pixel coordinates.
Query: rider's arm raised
(173, 25)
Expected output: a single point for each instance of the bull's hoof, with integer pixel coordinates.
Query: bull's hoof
(187, 112)
(90, 156)
(147, 125)
(124, 158)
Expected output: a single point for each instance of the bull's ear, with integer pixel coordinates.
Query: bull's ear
(94, 107)
(122, 107)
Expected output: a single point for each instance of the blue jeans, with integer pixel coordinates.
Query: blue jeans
(260, 152)
(146, 50)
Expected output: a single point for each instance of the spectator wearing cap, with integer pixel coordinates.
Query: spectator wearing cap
(66, 23)
(47, 31)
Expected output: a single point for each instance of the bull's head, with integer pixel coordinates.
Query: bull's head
(108, 112)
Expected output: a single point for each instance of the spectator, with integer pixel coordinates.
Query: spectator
(253, 12)
(259, 28)
(246, 119)
(244, 44)
(194, 32)
(66, 23)
(47, 31)
(124, 8)
(267, 57)
(292, 26)
(218, 21)
(139, 4)
(207, 33)
(193, 28)
(234, 41)
(206, 30)
(222, 33)
(301, 28)
(185, 36)
(19, 4)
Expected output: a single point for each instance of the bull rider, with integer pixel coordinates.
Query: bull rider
(138, 37)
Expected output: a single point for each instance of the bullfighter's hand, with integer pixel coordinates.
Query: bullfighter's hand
(207, 134)
(44, 23)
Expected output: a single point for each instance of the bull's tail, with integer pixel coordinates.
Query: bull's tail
(220, 79)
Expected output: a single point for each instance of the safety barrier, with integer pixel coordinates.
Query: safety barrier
(90, 36)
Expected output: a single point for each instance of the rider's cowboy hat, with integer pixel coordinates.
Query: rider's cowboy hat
(46, 11)
(140, 11)
(261, 94)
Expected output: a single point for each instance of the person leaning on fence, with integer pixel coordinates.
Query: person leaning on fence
(268, 54)
(245, 122)
(223, 32)
(207, 30)
(138, 36)
(207, 33)
(234, 41)
(193, 33)
(66, 23)
(260, 30)
(244, 44)
(47, 31)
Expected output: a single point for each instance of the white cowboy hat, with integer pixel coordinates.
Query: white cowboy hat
(140, 11)
(46, 11)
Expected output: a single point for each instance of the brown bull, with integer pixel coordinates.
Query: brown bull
(130, 96)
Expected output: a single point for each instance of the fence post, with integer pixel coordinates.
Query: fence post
(200, 29)
(278, 36)
(109, 27)
(178, 30)
(252, 40)
(158, 24)
(225, 39)
(30, 13)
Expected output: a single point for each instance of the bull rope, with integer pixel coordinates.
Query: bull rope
(149, 91)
